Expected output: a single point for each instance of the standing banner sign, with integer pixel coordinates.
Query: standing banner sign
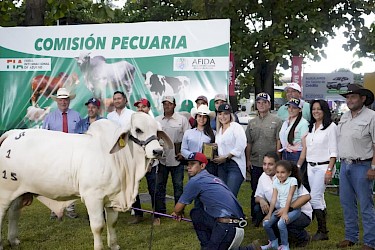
(297, 69)
(151, 59)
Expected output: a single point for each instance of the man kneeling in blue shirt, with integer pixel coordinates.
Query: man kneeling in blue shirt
(218, 220)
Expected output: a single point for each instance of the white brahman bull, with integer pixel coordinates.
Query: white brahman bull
(102, 167)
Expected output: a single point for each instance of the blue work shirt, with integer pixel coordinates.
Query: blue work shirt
(218, 201)
(54, 120)
(83, 125)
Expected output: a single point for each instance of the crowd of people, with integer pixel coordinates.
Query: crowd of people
(291, 157)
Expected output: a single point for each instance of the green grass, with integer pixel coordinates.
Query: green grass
(37, 231)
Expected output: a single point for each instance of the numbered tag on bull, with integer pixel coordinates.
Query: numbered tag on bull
(121, 142)
(19, 136)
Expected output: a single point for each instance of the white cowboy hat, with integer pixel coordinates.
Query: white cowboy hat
(202, 110)
(63, 93)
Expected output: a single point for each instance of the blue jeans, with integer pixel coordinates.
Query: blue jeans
(354, 187)
(255, 173)
(291, 156)
(296, 229)
(212, 234)
(231, 175)
(281, 225)
(150, 177)
(177, 173)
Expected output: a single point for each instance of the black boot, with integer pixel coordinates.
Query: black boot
(322, 233)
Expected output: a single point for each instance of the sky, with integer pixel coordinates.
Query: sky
(337, 57)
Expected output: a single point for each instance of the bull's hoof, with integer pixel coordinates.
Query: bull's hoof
(116, 247)
(14, 243)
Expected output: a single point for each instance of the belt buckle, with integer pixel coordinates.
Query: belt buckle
(348, 161)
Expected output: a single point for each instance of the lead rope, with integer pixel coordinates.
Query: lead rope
(153, 207)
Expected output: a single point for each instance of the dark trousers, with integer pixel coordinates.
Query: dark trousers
(177, 173)
(212, 168)
(255, 173)
(151, 178)
(212, 234)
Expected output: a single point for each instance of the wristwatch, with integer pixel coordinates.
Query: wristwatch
(291, 209)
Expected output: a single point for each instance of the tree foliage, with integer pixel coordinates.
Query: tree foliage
(51, 12)
(264, 34)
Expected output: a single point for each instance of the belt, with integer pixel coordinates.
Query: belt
(354, 161)
(240, 222)
(318, 163)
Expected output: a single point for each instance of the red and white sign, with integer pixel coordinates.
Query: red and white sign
(232, 74)
(297, 69)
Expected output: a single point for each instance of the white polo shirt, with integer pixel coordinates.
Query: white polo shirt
(123, 119)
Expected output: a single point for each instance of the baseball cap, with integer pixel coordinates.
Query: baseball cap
(294, 86)
(225, 107)
(94, 101)
(168, 99)
(295, 102)
(144, 101)
(196, 156)
(263, 96)
(220, 97)
(203, 98)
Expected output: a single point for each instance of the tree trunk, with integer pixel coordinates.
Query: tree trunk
(35, 12)
(264, 78)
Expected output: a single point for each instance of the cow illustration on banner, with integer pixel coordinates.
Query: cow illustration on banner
(151, 59)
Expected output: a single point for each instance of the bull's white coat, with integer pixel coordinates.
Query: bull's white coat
(92, 166)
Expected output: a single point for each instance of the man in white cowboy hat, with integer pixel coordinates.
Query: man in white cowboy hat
(65, 120)
(293, 90)
(356, 141)
(262, 134)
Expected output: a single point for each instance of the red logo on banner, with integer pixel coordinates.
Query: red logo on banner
(297, 69)
(232, 74)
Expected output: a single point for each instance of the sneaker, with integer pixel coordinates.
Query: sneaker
(345, 244)
(137, 219)
(270, 246)
(283, 247)
(53, 216)
(156, 222)
(71, 214)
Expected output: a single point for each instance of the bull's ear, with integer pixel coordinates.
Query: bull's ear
(120, 143)
(167, 141)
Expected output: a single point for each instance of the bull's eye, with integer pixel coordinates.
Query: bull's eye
(138, 131)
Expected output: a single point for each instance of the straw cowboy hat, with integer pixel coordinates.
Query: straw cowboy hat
(358, 89)
(63, 93)
(202, 110)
